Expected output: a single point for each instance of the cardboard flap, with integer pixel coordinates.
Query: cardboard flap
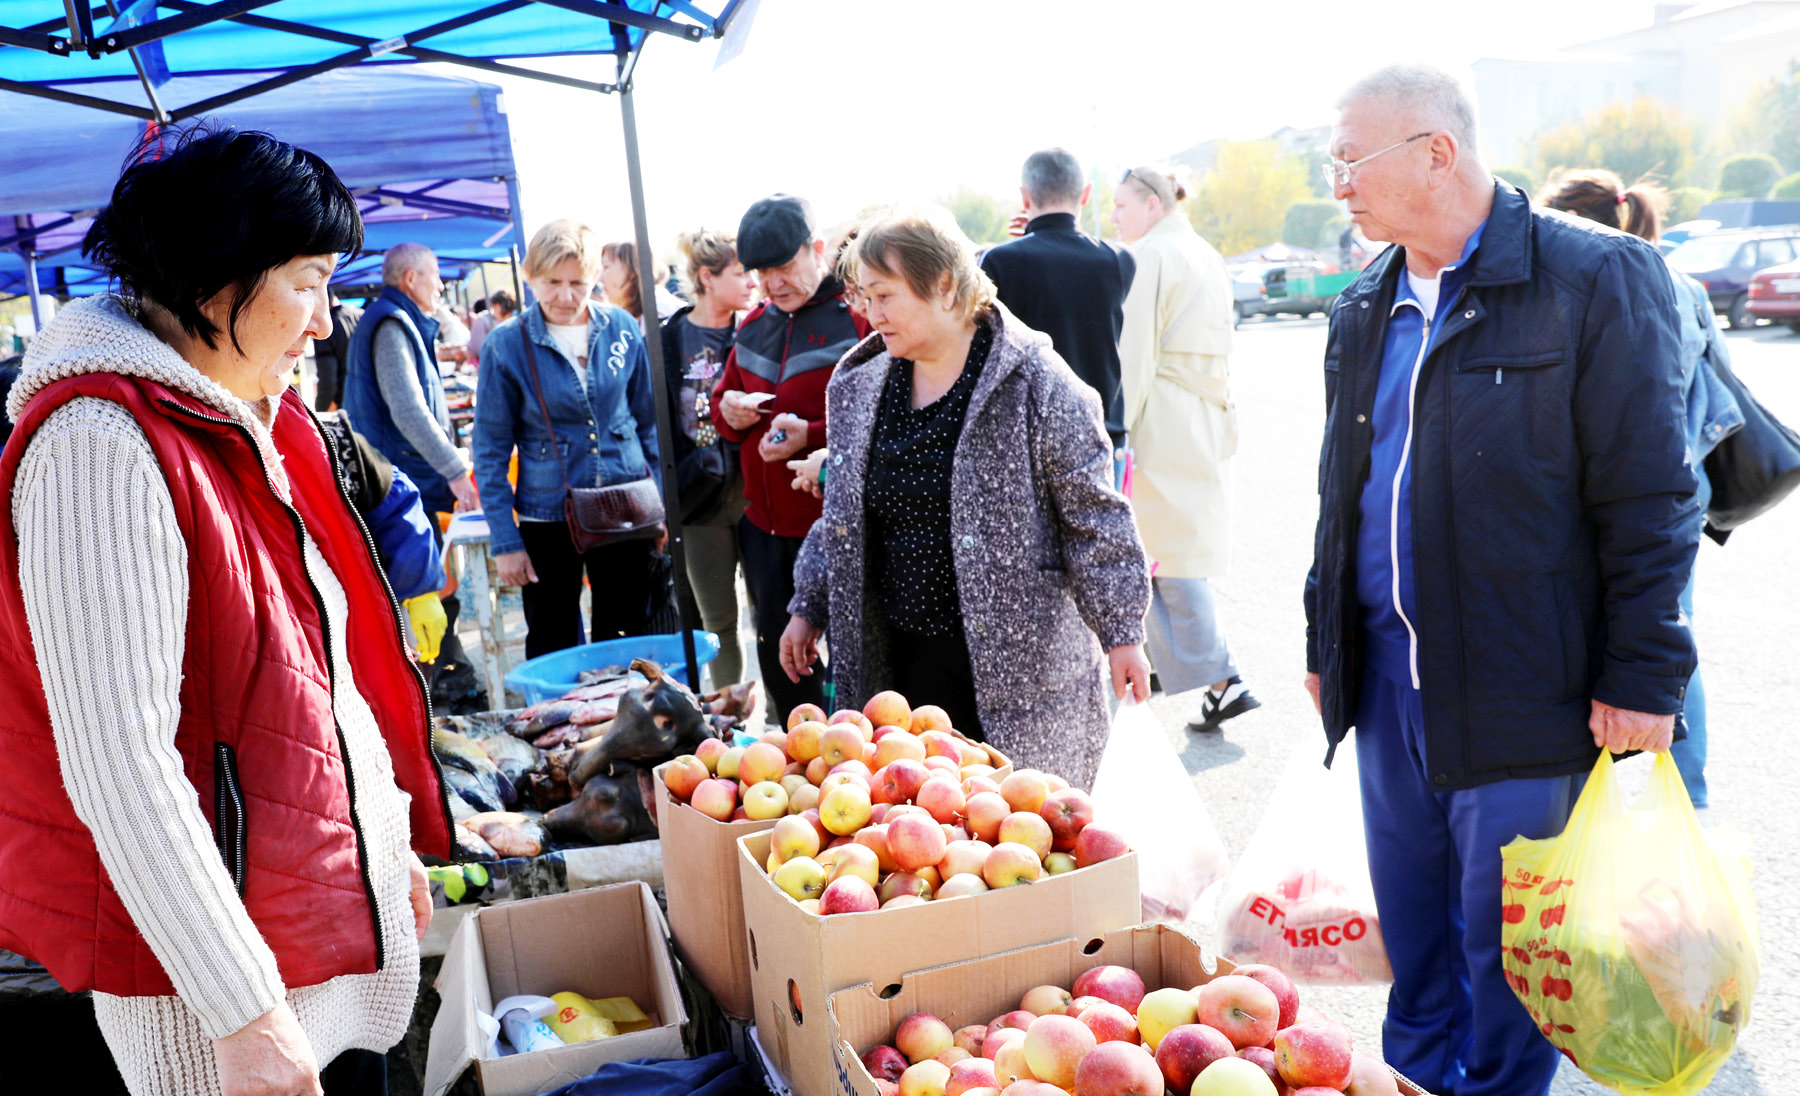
(462, 978)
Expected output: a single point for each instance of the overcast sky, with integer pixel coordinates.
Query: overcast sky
(853, 102)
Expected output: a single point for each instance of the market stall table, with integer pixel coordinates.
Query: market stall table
(480, 583)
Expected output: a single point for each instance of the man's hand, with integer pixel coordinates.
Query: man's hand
(795, 442)
(806, 473)
(515, 568)
(1620, 730)
(269, 1056)
(739, 414)
(1016, 226)
(799, 648)
(1312, 690)
(1130, 669)
(463, 487)
(421, 896)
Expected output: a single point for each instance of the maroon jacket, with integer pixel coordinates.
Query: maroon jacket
(257, 736)
(791, 355)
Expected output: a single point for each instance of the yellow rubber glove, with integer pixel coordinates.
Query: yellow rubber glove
(428, 623)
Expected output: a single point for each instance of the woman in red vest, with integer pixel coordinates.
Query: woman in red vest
(219, 744)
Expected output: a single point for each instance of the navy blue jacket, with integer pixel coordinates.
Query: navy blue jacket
(605, 429)
(369, 411)
(1554, 517)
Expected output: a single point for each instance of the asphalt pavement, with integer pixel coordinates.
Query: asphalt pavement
(1745, 621)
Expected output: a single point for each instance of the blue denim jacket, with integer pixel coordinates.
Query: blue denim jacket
(1713, 413)
(604, 436)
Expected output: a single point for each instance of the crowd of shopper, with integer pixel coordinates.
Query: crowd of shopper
(999, 482)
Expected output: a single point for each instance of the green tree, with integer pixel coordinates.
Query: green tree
(1642, 139)
(1241, 202)
(1685, 203)
(1519, 177)
(1788, 187)
(1748, 176)
(982, 217)
(1307, 224)
(1096, 216)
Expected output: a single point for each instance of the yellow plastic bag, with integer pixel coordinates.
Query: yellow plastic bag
(1631, 938)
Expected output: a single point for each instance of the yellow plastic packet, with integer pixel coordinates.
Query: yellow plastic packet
(1631, 937)
(578, 1019)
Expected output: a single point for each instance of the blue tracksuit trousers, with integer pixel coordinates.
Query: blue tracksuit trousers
(1453, 1024)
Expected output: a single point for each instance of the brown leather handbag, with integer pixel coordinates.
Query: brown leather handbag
(599, 516)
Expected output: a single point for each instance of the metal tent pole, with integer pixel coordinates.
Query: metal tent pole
(32, 288)
(659, 382)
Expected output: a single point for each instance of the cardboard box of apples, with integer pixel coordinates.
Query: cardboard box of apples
(699, 839)
(1134, 1013)
(909, 864)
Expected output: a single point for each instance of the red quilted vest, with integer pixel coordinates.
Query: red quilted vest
(257, 737)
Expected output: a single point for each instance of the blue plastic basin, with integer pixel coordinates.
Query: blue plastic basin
(547, 677)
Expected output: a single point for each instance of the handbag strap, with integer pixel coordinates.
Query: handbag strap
(538, 387)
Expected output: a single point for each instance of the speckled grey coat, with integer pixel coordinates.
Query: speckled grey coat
(1049, 567)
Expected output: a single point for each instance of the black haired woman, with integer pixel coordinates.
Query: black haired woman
(218, 745)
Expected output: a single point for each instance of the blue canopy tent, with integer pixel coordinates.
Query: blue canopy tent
(433, 164)
(48, 48)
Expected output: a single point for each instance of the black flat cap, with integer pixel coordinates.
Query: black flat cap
(773, 231)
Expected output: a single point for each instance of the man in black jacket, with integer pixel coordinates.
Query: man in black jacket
(1506, 521)
(1063, 282)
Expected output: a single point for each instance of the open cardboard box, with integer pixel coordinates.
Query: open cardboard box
(603, 942)
(798, 959)
(975, 992)
(706, 908)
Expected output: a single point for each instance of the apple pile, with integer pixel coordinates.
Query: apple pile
(1241, 1034)
(889, 807)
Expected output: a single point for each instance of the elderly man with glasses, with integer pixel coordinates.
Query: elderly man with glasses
(1506, 522)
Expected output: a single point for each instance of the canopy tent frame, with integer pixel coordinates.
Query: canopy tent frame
(79, 24)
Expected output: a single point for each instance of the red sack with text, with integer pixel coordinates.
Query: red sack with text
(1300, 898)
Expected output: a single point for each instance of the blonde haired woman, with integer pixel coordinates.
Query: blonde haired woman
(972, 546)
(589, 359)
(696, 341)
(1173, 355)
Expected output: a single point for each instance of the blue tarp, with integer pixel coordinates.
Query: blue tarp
(428, 156)
(303, 36)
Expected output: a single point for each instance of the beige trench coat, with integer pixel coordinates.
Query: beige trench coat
(1173, 355)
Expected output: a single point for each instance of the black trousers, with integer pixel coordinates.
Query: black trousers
(769, 577)
(936, 670)
(618, 577)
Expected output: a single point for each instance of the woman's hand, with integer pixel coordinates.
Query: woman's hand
(1130, 667)
(269, 1056)
(799, 648)
(806, 473)
(515, 568)
(421, 896)
(738, 414)
(794, 442)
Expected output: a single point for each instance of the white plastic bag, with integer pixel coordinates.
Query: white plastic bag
(1144, 791)
(1300, 898)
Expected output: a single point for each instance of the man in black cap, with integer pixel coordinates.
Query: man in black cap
(787, 349)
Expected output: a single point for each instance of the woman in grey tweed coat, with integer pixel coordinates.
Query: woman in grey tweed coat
(1049, 574)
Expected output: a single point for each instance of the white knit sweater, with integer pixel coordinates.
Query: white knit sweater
(104, 572)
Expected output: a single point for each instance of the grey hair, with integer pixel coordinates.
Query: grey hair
(404, 257)
(1053, 177)
(1437, 95)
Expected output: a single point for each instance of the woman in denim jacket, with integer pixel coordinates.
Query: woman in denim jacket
(596, 381)
(1712, 411)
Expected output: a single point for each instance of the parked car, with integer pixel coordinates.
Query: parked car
(1725, 262)
(1775, 295)
(1247, 292)
(1274, 299)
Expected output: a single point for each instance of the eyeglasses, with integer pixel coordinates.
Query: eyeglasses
(1337, 172)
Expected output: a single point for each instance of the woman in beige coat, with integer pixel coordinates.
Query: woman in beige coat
(1173, 353)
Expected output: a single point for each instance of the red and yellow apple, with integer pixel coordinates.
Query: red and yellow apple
(1025, 790)
(1162, 1011)
(793, 836)
(1054, 1047)
(1096, 843)
(942, 798)
(845, 809)
(1109, 1023)
(888, 708)
(1011, 864)
(922, 1035)
(857, 860)
(1314, 1052)
(848, 894)
(684, 774)
(802, 878)
(961, 886)
(716, 798)
(1187, 1050)
(1120, 985)
(765, 801)
(1244, 1009)
(804, 739)
(761, 761)
(1117, 1069)
(983, 814)
(1233, 1077)
(1030, 830)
